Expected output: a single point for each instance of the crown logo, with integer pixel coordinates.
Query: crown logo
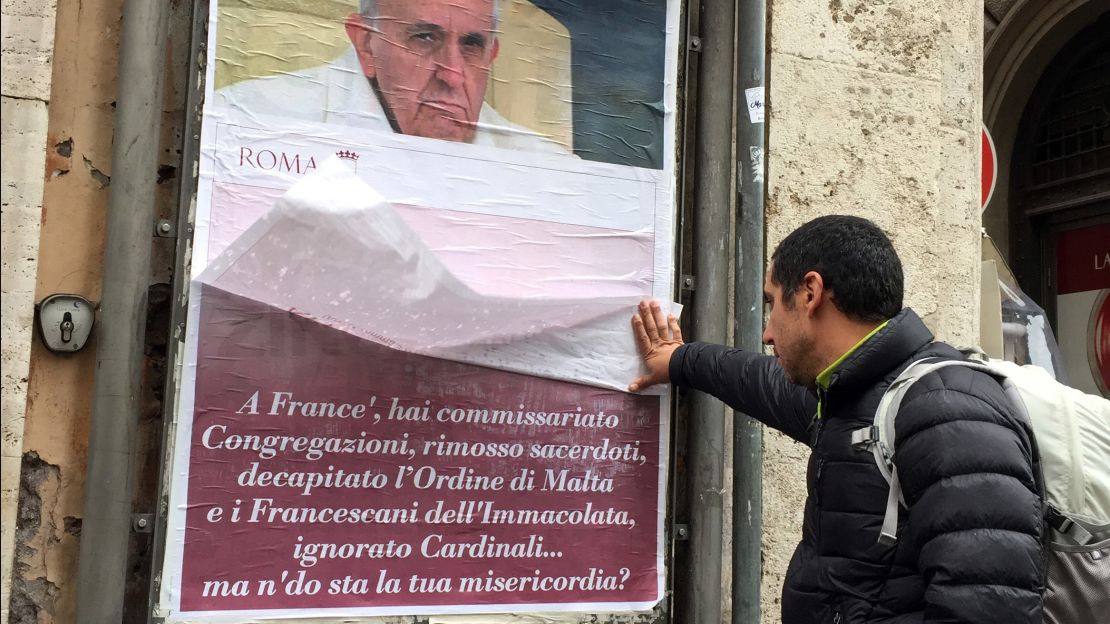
(347, 155)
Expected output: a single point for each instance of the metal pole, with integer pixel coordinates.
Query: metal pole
(713, 196)
(106, 521)
(747, 462)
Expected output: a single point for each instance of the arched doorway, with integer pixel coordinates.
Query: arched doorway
(1059, 202)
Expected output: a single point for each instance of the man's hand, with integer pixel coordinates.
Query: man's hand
(656, 339)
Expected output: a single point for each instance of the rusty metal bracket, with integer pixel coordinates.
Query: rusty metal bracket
(164, 228)
(142, 523)
(681, 532)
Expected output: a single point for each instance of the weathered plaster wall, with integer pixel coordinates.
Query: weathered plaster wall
(874, 109)
(77, 170)
(28, 39)
(77, 145)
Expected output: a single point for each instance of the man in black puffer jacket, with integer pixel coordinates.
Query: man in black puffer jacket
(969, 547)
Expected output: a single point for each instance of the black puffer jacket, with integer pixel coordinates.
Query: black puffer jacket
(969, 547)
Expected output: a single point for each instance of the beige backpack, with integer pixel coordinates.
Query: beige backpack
(1072, 441)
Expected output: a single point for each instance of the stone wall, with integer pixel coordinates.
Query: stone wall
(28, 41)
(874, 109)
(77, 150)
(72, 167)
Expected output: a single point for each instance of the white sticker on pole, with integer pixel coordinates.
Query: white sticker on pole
(754, 97)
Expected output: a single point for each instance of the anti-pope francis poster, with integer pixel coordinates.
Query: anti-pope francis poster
(421, 228)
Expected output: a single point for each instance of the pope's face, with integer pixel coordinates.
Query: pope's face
(431, 61)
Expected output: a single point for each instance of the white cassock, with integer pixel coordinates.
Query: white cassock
(339, 93)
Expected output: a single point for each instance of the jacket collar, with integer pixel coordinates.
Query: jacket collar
(890, 347)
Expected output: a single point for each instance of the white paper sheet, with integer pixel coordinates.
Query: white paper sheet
(331, 249)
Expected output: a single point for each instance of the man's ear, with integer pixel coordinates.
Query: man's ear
(360, 33)
(812, 294)
(494, 50)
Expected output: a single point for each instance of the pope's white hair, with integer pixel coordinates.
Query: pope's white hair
(369, 10)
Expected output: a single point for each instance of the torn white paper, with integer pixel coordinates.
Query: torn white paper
(333, 250)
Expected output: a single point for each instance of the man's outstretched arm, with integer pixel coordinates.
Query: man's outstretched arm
(750, 382)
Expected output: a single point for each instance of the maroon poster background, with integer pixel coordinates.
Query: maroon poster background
(579, 527)
(1083, 259)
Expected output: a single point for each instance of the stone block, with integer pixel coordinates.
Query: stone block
(889, 148)
(9, 498)
(899, 36)
(874, 109)
(28, 48)
(37, 8)
(23, 130)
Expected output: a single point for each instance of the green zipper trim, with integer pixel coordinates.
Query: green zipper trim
(825, 376)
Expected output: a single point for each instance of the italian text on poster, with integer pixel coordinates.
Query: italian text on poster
(421, 229)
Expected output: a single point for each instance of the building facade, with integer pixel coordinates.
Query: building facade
(873, 108)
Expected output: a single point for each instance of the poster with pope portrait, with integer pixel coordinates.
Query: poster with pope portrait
(421, 229)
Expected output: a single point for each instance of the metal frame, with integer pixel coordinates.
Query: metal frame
(688, 66)
(187, 194)
(713, 36)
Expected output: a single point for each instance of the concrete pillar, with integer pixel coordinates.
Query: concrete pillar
(874, 109)
(28, 42)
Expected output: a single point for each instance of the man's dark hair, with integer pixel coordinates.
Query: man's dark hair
(855, 259)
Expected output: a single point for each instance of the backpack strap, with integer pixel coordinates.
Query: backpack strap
(1068, 527)
(879, 437)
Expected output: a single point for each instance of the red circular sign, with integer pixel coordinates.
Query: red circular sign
(989, 169)
(1099, 346)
